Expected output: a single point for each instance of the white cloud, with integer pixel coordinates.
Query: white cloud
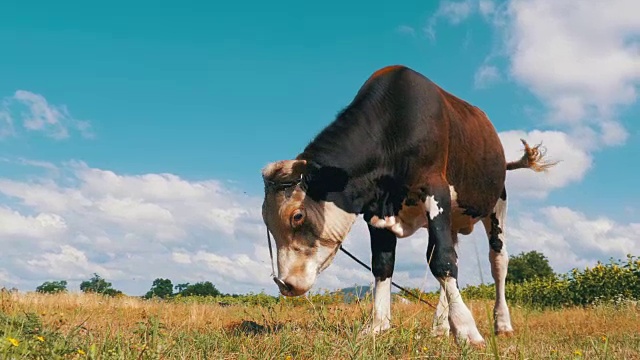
(584, 70)
(6, 123)
(572, 239)
(36, 114)
(405, 29)
(67, 263)
(485, 76)
(574, 162)
(12, 223)
(121, 224)
(453, 12)
(486, 7)
(131, 229)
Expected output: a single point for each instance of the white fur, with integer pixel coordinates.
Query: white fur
(440, 326)
(499, 265)
(453, 194)
(387, 222)
(460, 317)
(381, 307)
(412, 218)
(432, 207)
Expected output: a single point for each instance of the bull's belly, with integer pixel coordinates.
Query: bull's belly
(412, 218)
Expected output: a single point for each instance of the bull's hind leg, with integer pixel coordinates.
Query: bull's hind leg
(499, 258)
(383, 255)
(443, 262)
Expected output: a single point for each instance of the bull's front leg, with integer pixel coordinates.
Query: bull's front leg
(443, 263)
(383, 255)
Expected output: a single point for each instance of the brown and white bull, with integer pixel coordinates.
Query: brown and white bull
(405, 154)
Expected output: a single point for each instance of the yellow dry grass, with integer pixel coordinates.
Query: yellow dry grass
(198, 331)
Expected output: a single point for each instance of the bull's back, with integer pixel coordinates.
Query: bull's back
(445, 134)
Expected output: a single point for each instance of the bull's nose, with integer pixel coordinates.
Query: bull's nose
(283, 286)
(287, 288)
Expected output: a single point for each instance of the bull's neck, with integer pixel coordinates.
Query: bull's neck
(368, 189)
(347, 165)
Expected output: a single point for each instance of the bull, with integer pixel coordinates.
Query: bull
(404, 154)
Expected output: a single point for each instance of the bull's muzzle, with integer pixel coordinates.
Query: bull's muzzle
(284, 287)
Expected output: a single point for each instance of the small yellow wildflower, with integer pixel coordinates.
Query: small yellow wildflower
(13, 341)
(40, 338)
(604, 338)
(81, 352)
(577, 353)
(288, 357)
(425, 349)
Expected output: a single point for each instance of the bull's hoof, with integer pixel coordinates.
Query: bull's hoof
(504, 332)
(472, 338)
(439, 330)
(375, 328)
(503, 329)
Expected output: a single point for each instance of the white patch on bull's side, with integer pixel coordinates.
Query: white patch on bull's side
(440, 325)
(408, 221)
(381, 307)
(460, 317)
(499, 266)
(432, 207)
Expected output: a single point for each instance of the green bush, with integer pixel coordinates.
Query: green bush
(614, 282)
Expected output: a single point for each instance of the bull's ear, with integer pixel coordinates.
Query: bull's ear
(284, 170)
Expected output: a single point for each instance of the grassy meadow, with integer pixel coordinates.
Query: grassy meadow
(91, 326)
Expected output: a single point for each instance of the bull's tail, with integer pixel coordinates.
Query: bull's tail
(531, 159)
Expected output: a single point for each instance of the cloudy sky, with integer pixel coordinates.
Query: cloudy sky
(132, 136)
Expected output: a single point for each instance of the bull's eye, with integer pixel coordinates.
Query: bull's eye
(297, 218)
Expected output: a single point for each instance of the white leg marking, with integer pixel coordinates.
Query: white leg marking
(460, 317)
(499, 265)
(381, 307)
(440, 326)
(432, 207)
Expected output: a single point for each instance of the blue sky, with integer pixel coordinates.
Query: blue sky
(210, 93)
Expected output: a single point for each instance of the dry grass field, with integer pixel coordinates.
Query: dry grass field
(79, 326)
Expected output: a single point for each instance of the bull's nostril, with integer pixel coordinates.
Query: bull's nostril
(281, 284)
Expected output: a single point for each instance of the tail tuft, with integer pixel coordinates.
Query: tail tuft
(532, 159)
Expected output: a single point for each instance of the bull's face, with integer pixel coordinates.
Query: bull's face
(307, 233)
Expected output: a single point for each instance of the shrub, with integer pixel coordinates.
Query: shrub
(605, 283)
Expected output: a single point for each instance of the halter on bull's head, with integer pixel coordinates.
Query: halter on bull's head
(307, 226)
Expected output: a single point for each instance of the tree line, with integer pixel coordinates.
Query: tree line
(161, 288)
(522, 267)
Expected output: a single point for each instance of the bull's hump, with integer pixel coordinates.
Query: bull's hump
(385, 70)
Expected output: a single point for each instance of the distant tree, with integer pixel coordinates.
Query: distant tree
(205, 288)
(527, 266)
(162, 288)
(98, 285)
(181, 287)
(52, 287)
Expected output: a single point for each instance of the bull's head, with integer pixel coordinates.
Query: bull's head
(307, 232)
